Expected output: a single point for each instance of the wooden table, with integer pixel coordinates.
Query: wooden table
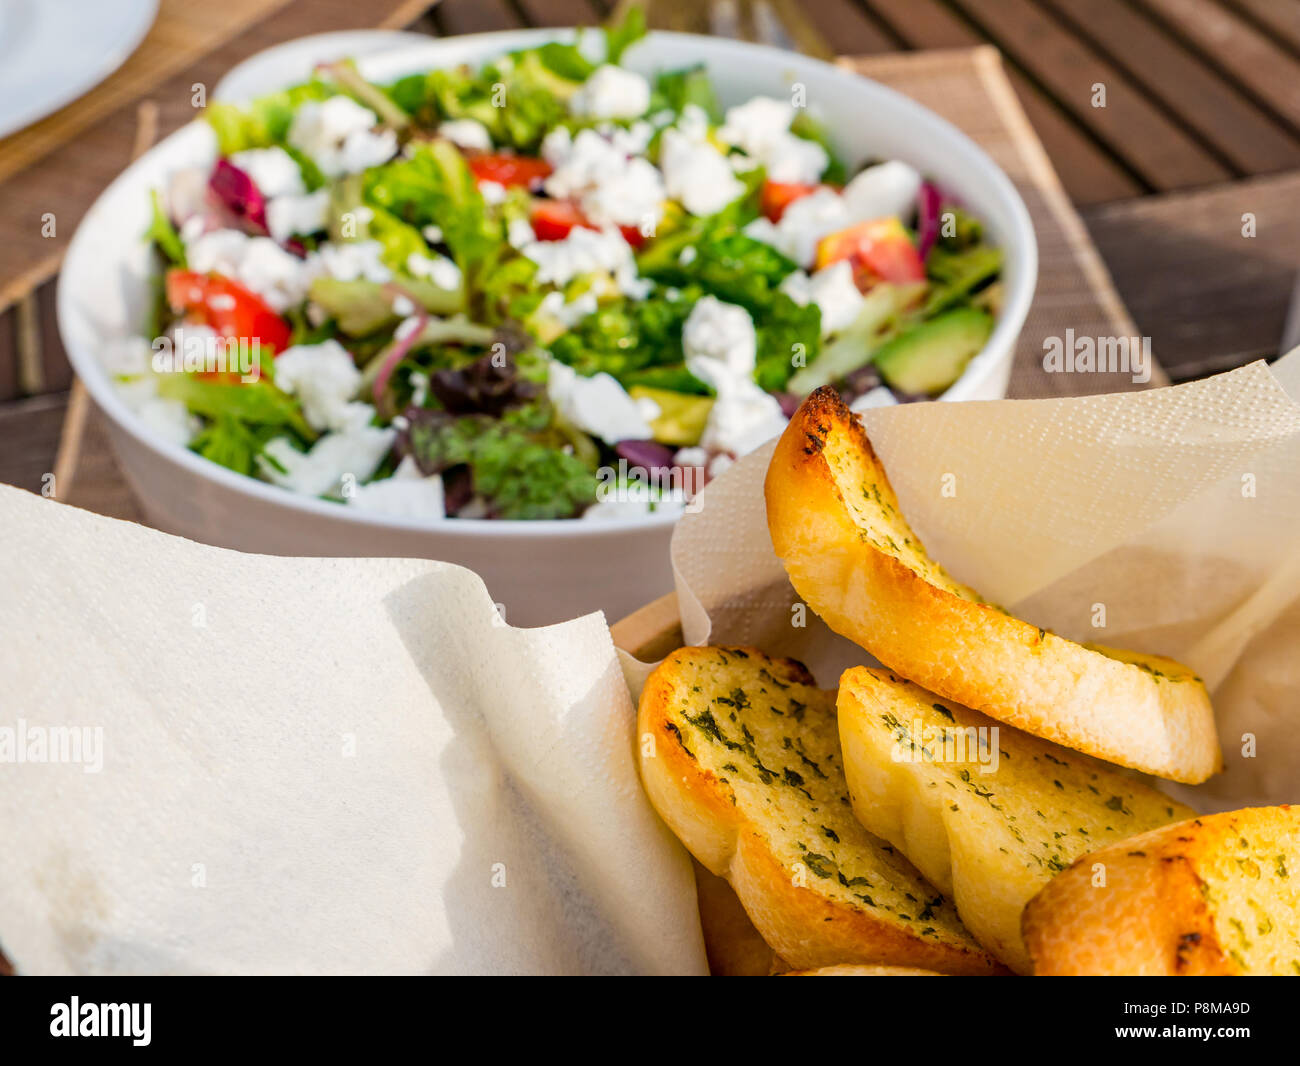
(1199, 133)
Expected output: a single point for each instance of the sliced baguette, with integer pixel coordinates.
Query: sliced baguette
(850, 554)
(732, 945)
(987, 813)
(1216, 895)
(740, 756)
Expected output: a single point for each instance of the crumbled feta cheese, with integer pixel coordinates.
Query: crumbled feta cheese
(273, 170)
(406, 327)
(879, 191)
(520, 232)
(719, 342)
(402, 306)
(611, 92)
(756, 125)
(634, 140)
(419, 382)
(688, 255)
(719, 464)
(338, 135)
(357, 451)
(693, 456)
(586, 251)
(350, 260)
(324, 378)
(441, 270)
(187, 195)
(127, 356)
(694, 123)
(877, 397)
(832, 289)
(568, 314)
(696, 174)
(721, 350)
(742, 418)
(598, 404)
(608, 185)
(804, 223)
(637, 501)
(885, 189)
(167, 418)
(761, 129)
(649, 409)
(290, 214)
(432, 234)
(258, 263)
(493, 192)
(467, 133)
(407, 494)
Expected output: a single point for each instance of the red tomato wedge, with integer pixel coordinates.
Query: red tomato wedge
(879, 250)
(228, 308)
(776, 196)
(509, 170)
(553, 220)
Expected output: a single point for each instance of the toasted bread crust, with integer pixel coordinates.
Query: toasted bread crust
(1156, 912)
(850, 970)
(902, 608)
(804, 927)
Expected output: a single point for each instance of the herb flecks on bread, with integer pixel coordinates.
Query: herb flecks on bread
(837, 527)
(744, 765)
(988, 813)
(1219, 894)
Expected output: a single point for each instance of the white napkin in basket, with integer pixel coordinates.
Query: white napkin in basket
(312, 766)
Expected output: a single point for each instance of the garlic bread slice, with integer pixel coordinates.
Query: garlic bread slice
(851, 970)
(987, 813)
(1219, 894)
(850, 554)
(740, 756)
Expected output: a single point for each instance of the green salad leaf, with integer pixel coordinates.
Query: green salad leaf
(257, 402)
(675, 89)
(516, 473)
(163, 234)
(810, 129)
(621, 35)
(434, 186)
(265, 121)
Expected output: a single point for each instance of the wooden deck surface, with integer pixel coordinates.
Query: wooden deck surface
(1171, 123)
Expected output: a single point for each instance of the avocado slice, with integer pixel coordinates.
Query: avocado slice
(931, 356)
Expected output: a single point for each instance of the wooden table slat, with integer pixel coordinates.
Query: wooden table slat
(1089, 174)
(475, 16)
(846, 28)
(559, 12)
(1149, 142)
(1209, 297)
(1250, 140)
(1278, 17)
(1226, 40)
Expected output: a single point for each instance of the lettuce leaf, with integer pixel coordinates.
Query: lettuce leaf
(265, 121)
(435, 187)
(620, 36)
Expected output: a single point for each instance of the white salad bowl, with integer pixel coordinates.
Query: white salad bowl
(542, 571)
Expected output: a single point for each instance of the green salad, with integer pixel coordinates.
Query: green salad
(548, 288)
